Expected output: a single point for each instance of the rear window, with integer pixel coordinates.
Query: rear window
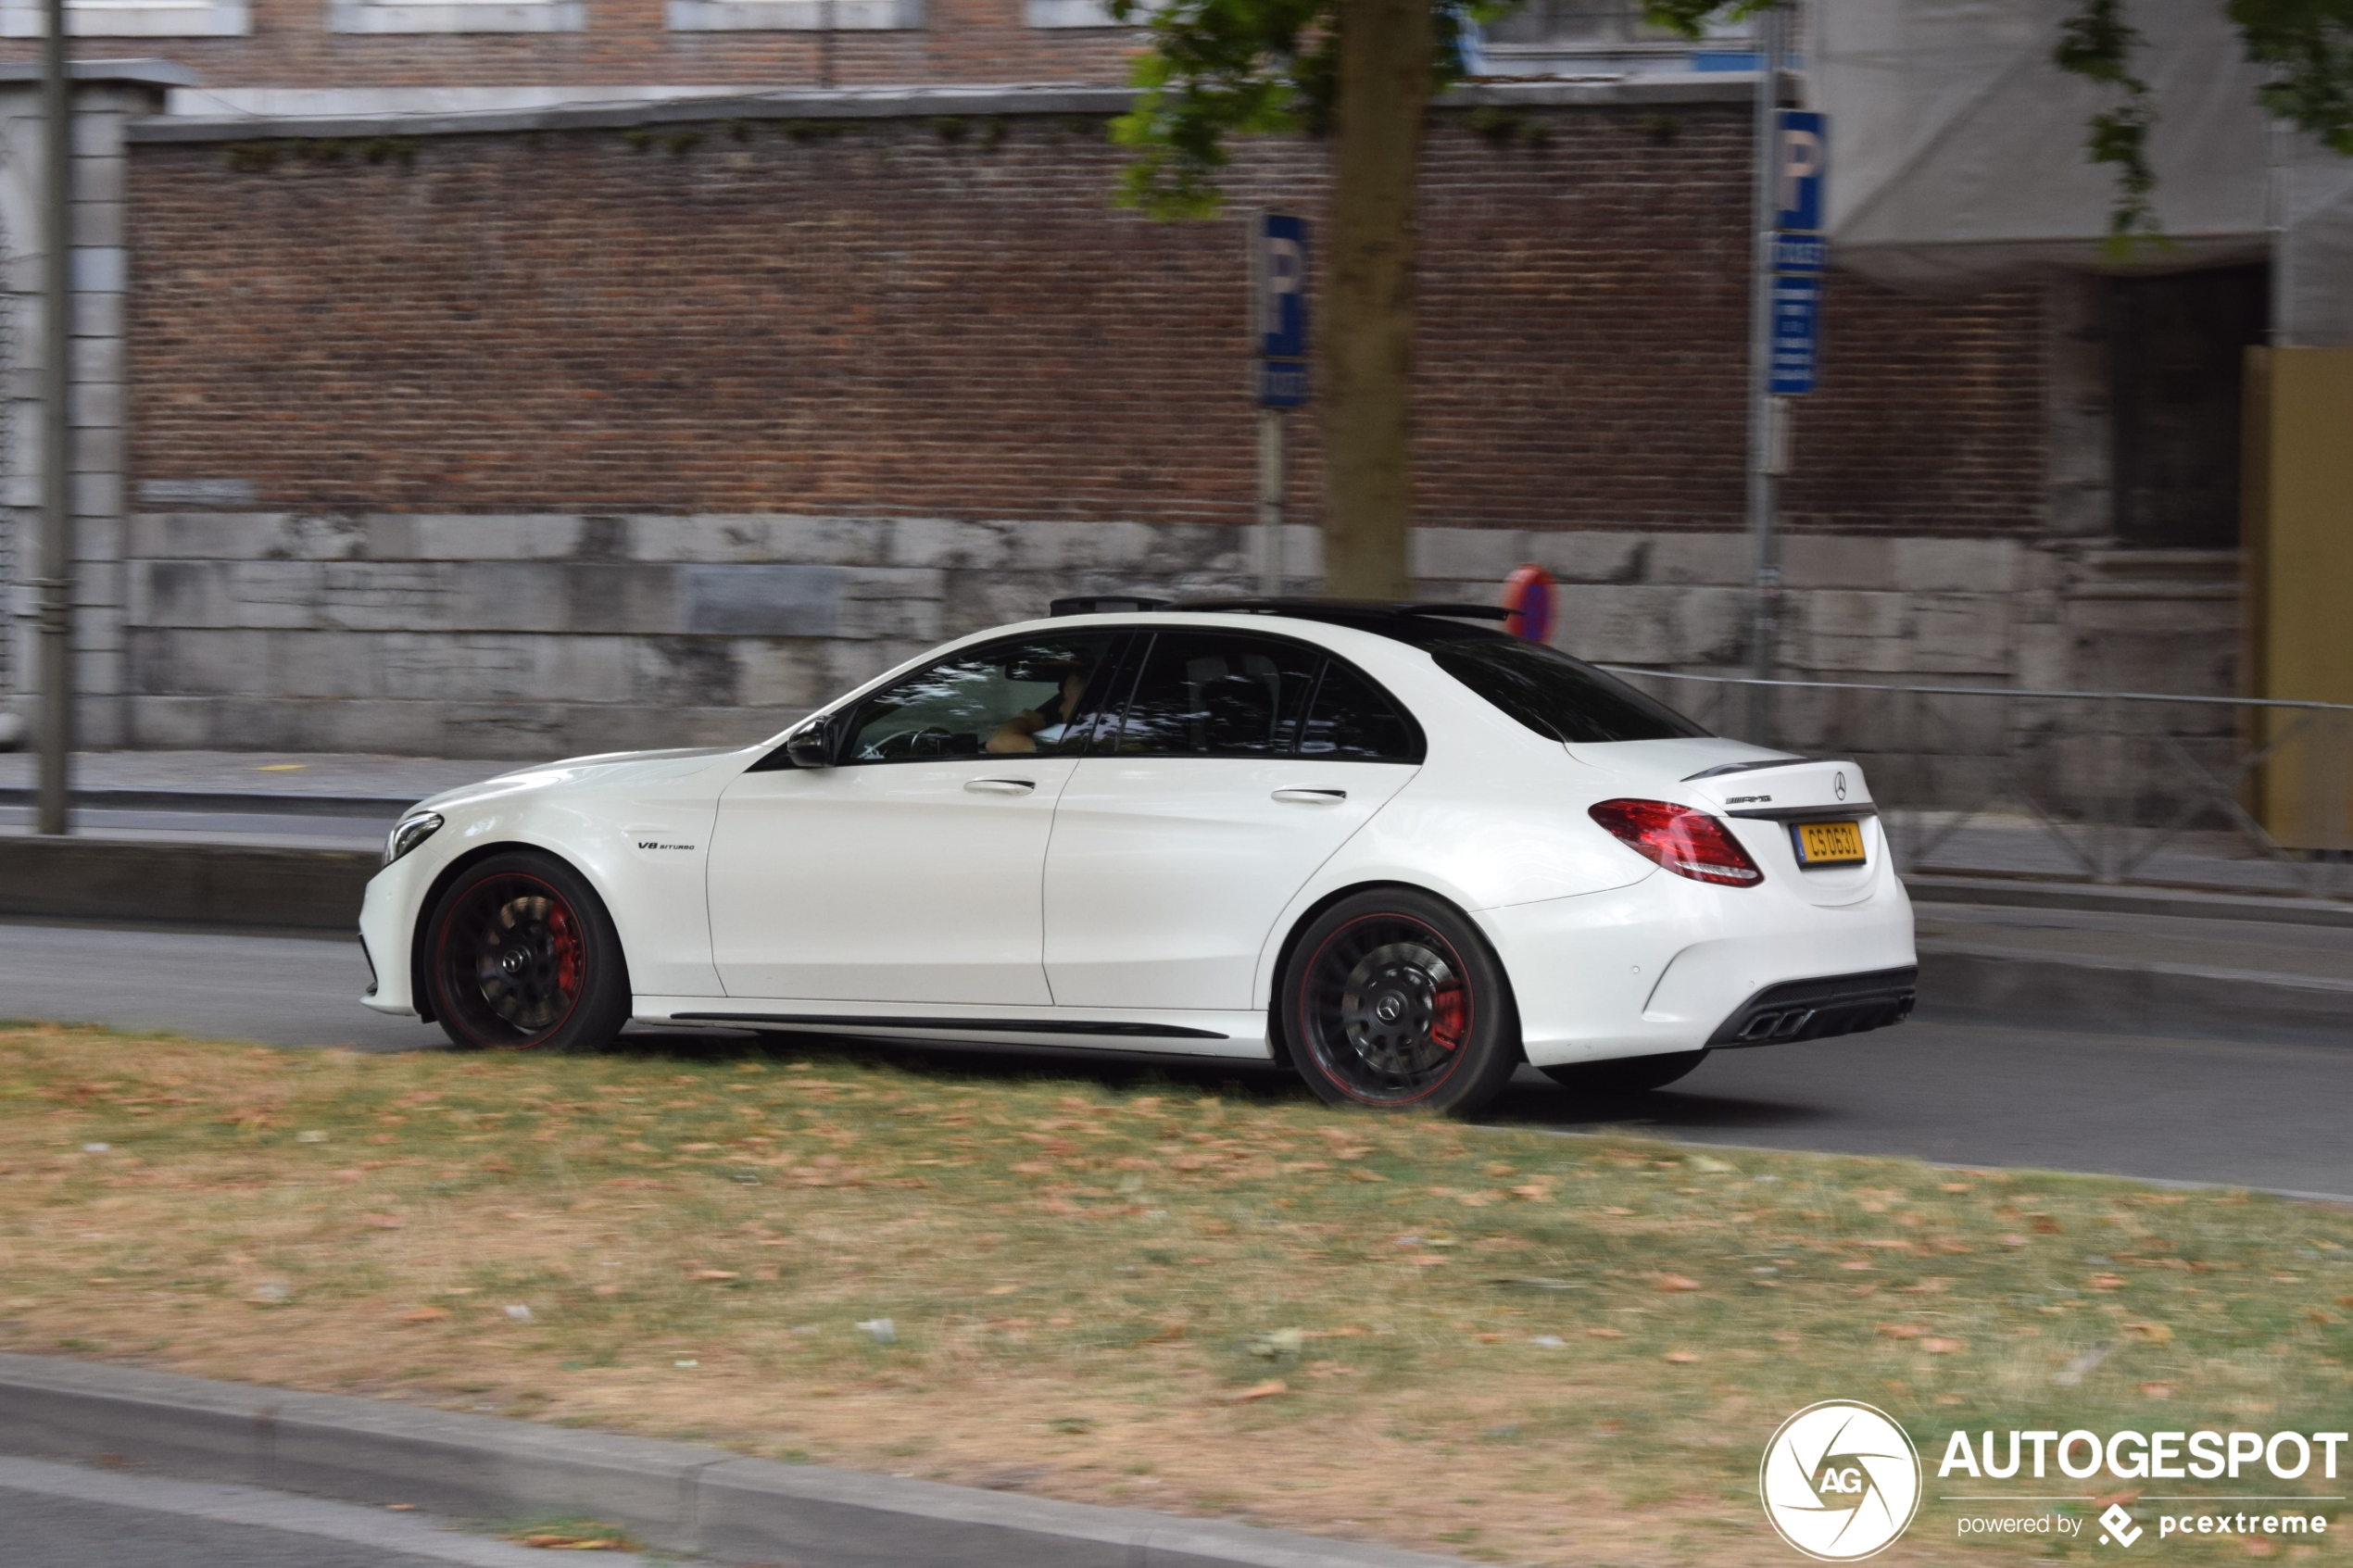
(1559, 697)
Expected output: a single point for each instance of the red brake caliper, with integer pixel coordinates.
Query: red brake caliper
(569, 956)
(1452, 1009)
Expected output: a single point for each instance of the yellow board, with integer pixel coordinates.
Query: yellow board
(2298, 529)
(1824, 844)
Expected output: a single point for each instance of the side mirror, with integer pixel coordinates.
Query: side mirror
(812, 746)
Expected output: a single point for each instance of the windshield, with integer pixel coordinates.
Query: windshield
(1559, 697)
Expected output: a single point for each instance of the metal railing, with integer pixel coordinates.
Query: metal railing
(2250, 793)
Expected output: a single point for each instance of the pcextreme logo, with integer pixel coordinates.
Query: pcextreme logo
(1841, 1481)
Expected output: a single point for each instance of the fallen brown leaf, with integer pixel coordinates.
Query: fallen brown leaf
(1941, 1347)
(425, 1314)
(1265, 1390)
(1677, 1282)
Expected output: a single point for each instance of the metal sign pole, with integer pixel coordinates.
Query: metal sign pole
(1278, 366)
(56, 583)
(1270, 501)
(1765, 569)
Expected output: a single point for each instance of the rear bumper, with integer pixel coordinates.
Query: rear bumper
(1665, 964)
(1816, 1010)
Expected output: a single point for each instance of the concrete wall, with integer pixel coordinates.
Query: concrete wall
(528, 636)
(99, 272)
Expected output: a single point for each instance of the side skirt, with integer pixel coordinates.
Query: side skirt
(1240, 1034)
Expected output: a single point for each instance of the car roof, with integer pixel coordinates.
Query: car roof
(1419, 624)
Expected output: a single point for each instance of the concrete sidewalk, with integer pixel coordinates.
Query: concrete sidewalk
(290, 800)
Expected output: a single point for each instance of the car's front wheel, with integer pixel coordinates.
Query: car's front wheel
(1391, 999)
(520, 952)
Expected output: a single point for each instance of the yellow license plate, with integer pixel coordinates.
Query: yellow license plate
(1829, 844)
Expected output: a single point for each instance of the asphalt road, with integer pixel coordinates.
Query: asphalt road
(2173, 1109)
(65, 1516)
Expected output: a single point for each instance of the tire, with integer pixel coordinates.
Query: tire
(520, 954)
(1392, 1000)
(1625, 1075)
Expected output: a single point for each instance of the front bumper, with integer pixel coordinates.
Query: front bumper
(387, 917)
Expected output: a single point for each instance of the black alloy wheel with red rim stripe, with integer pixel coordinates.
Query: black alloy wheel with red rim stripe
(519, 953)
(1392, 999)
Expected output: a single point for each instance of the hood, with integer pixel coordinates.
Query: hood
(606, 768)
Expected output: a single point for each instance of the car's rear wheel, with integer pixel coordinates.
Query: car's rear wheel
(1392, 999)
(520, 952)
(1625, 1075)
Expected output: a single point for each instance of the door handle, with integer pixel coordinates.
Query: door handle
(1000, 786)
(1311, 796)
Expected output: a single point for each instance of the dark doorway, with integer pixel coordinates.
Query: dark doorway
(2176, 348)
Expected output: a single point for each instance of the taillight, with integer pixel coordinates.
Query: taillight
(1688, 843)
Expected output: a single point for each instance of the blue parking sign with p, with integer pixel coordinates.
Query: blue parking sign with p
(1282, 286)
(1801, 158)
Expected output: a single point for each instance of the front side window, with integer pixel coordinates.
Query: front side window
(1210, 694)
(1003, 699)
(1559, 697)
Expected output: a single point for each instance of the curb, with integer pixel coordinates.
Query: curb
(387, 808)
(676, 1496)
(2286, 909)
(1972, 984)
(178, 882)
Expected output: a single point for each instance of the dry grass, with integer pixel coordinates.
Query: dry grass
(1495, 1343)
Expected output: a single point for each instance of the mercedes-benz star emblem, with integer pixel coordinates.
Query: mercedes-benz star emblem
(1838, 786)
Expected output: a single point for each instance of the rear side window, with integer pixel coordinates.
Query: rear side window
(1352, 719)
(1205, 693)
(1559, 697)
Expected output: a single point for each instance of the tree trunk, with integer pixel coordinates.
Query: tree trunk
(1385, 80)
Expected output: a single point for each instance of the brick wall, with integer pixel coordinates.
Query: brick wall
(920, 317)
(628, 43)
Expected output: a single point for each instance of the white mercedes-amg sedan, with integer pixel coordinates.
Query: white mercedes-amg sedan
(1391, 845)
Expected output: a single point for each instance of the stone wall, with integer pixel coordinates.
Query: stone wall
(529, 636)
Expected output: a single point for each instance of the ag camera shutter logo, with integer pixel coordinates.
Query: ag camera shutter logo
(1841, 1481)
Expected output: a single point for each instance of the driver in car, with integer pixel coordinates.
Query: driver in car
(1046, 722)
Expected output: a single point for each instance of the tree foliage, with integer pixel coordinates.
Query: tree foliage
(2307, 44)
(2097, 43)
(1221, 68)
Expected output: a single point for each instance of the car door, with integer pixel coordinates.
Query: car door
(909, 870)
(1235, 766)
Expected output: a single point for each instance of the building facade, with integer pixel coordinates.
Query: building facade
(484, 425)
